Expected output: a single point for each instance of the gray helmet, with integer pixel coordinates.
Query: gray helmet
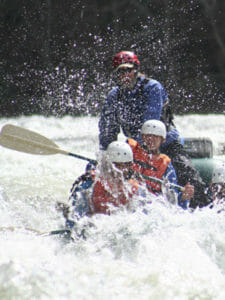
(119, 152)
(155, 127)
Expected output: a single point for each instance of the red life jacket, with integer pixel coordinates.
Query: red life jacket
(102, 196)
(153, 165)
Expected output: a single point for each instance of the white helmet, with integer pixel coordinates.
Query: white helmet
(218, 175)
(155, 127)
(119, 152)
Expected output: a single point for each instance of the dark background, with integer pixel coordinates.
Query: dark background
(56, 55)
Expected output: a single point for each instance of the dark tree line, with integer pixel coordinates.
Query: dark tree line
(55, 56)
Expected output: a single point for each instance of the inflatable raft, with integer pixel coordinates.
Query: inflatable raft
(200, 151)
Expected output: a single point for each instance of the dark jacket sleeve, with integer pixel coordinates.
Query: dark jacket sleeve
(109, 127)
(157, 96)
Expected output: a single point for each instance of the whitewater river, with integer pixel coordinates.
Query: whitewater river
(166, 254)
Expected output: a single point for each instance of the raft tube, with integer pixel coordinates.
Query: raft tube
(200, 150)
(205, 167)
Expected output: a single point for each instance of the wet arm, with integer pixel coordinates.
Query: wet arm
(170, 174)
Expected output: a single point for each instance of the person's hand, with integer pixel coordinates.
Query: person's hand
(188, 192)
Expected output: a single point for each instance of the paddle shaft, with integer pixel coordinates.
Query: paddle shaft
(45, 233)
(180, 188)
(93, 161)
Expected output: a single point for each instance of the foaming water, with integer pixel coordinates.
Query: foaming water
(156, 252)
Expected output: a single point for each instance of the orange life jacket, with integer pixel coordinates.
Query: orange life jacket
(102, 196)
(153, 165)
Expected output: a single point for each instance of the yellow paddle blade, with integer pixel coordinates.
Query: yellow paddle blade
(24, 140)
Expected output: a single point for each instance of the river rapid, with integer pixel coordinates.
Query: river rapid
(168, 253)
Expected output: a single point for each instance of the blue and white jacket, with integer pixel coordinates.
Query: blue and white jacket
(129, 109)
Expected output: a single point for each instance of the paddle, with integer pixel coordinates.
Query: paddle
(62, 232)
(24, 140)
(180, 188)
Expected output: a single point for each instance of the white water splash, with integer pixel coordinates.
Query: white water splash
(165, 254)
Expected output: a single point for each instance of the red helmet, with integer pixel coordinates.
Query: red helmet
(125, 57)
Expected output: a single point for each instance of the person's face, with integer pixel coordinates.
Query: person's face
(153, 142)
(126, 76)
(218, 191)
(123, 167)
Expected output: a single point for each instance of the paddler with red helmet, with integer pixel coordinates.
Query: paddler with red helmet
(136, 99)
